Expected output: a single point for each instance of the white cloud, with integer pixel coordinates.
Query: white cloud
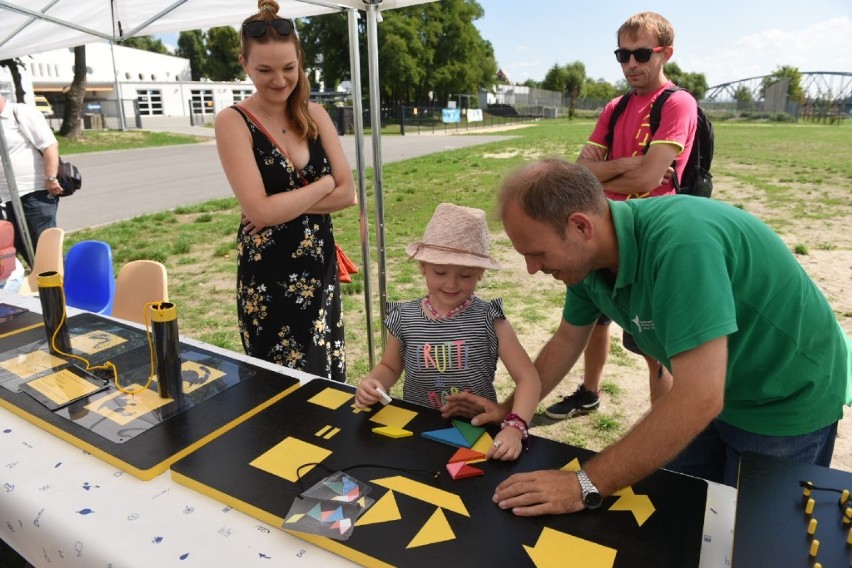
(822, 46)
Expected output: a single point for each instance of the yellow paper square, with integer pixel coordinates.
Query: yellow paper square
(96, 341)
(285, 458)
(28, 364)
(63, 386)
(394, 416)
(124, 408)
(331, 398)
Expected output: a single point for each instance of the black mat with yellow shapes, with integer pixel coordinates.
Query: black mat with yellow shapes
(141, 433)
(774, 526)
(421, 516)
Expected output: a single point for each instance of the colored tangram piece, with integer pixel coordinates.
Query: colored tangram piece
(331, 398)
(384, 510)
(449, 436)
(436, 529)
(639, 505)
(461, 470)
(392, 431)
(333, 517)
(551, 547)
(470, 432)
(573, 465)
(483, 444)
(466, 455)
(346, 490)
(461, 435)
(392, 415)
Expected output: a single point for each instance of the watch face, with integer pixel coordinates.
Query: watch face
(592, 500)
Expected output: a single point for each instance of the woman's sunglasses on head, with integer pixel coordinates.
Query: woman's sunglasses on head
(257, 28)
(641, 55)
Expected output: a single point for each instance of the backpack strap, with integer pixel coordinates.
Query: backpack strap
(656, 113)
(613, 118)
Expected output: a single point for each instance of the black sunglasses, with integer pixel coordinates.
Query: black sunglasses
(257, 28)
(641, 55)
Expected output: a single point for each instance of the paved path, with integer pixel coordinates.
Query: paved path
(123, 184)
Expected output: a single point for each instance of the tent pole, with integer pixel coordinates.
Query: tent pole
(122, 122)
(376, 129)
(15, 198)
(358, 118)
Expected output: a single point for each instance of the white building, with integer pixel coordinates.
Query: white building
(147, 83)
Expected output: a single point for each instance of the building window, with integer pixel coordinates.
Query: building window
(241, 94)
(149, 101)
(201, 101)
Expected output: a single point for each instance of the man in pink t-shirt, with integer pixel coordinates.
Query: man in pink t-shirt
(638, 165)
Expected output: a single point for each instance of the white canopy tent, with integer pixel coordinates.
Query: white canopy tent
(33, 26)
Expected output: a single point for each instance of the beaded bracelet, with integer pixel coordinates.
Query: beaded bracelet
(516, 421)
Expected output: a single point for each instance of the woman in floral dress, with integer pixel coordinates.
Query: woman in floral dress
(287, 168)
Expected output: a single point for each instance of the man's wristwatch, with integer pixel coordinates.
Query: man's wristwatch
(50, 178)
(591, 496)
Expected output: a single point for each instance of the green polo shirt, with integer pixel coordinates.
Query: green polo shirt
(691, 270)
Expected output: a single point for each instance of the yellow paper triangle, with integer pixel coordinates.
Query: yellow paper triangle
(550, 550)
(384, 510)
(436, 529)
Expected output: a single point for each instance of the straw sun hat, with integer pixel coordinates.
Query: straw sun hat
(455, 235)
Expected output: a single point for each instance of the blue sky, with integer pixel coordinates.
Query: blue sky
(724, 39)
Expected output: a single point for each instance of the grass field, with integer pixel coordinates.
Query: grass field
(797, 177)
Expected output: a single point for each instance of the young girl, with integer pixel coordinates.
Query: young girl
(449, 340)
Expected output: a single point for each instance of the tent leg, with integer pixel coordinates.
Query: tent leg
(358, 117)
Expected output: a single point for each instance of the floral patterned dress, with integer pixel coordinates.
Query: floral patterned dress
(288, 291)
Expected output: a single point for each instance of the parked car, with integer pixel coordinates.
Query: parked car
(43, 105)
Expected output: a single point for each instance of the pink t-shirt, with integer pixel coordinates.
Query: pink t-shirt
(632, 134)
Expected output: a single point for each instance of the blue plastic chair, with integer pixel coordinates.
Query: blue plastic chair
(89, 280)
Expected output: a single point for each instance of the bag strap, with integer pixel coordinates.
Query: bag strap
(656, 114)
(613, 119)
(248, 114)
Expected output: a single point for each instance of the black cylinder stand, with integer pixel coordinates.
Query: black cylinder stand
(52, 299)
(164, 335)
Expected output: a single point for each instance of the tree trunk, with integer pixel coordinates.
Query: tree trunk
(12, 65)
(72, 126)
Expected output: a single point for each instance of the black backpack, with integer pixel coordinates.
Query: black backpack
(697, 179)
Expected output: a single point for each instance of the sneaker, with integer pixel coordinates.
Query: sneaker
(581, 402)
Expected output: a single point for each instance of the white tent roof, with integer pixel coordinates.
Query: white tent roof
(33, 26)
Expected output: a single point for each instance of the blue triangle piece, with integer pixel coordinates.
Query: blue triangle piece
(335, 516)
(449, 436)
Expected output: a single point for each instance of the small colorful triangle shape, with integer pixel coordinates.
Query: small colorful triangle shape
(450, 436)
(466, 455)
(461, 470)
(470, 432)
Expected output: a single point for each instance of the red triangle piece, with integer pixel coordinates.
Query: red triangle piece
(466, 455)
(461, 470)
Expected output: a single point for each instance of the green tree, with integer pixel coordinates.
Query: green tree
(532, 83)
(568, 79)
(743, 94)
(223, 52)
(795, 92)
(599, 90)
(325, 51)
(695, 83)
(147, 43)
(425, 49)
(191, 45)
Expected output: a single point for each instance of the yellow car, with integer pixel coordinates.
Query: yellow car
(42, 104)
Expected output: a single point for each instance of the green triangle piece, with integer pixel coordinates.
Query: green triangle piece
(450, 436)
(468, 431)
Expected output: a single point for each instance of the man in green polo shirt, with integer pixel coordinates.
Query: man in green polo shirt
(758, 359)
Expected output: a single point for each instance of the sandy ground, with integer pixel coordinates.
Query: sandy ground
(829, 265)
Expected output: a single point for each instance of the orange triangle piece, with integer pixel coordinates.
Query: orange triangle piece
(461, 470)
(466, 455)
